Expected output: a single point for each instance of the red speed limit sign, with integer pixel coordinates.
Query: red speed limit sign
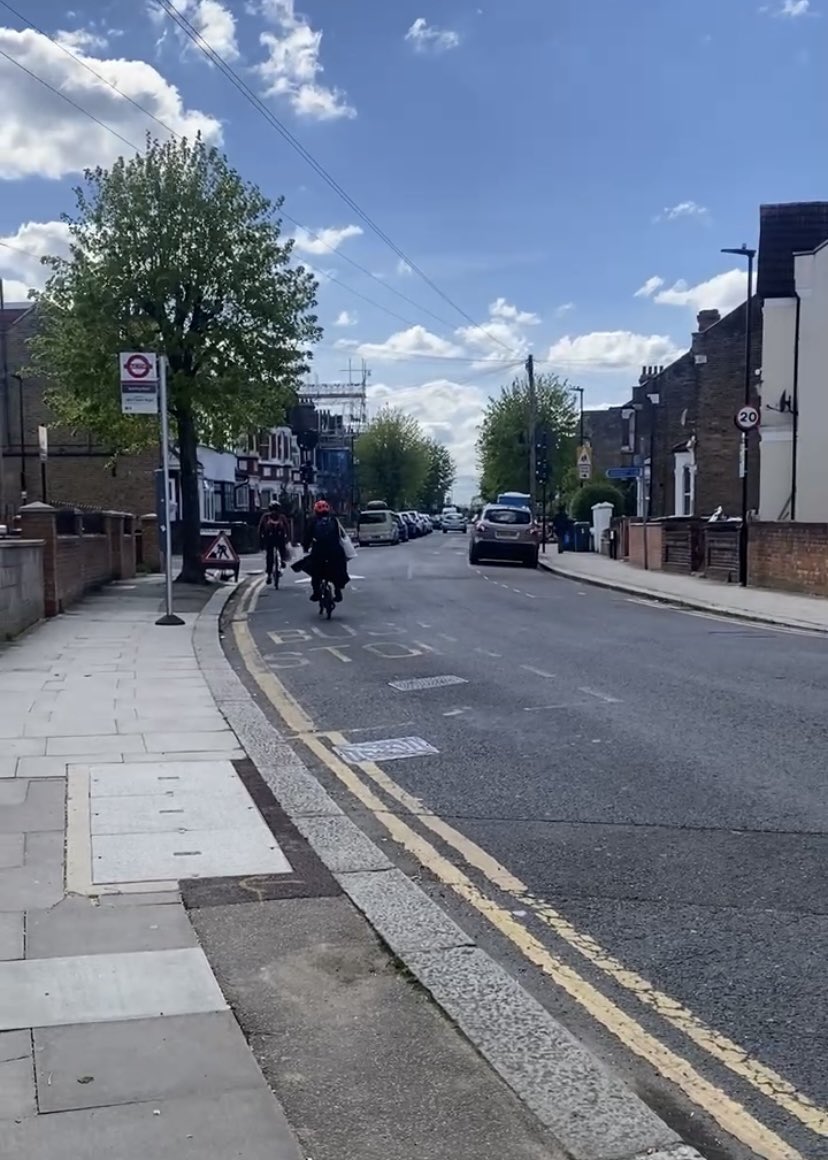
(747, 418)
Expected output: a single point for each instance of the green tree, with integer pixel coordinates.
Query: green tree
(393, 459)
(503, 440)
(592, 493)
(440, 476)
(171, 251)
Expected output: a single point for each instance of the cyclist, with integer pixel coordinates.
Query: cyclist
(274, 532)
(323, 543)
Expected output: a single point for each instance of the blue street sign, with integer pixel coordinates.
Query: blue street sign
(624, 472)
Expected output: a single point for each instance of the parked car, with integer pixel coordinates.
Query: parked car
(377, 526)
(402, 527)
(414, 529)
(504, 533)
(436, 523)
(426, 523)
(453, 521)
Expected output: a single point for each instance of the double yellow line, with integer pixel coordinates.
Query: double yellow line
(728, 1114)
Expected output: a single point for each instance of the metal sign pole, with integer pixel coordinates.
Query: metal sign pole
(169, 616)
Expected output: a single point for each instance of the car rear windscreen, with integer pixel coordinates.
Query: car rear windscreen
(507, 516)
(373, 518)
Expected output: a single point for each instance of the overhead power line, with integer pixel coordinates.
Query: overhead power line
(192, 32)
(313, 235)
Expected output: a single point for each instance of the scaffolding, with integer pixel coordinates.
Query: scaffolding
(345, 402)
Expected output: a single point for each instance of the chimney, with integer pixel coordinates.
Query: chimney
(707, 318)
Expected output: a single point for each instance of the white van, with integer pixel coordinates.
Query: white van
(377, 526)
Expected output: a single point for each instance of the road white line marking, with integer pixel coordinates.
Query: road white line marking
(488, 653)
(457, 712)
(445, 636)
(410, 571)
(539, 672)
(422, 624)
(601, 696)
(543, 708)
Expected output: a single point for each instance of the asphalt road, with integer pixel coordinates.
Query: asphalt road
(657, 777)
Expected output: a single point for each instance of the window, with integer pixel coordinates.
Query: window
(684, 483)
(374, 518)
(687, 489)
(507, 516)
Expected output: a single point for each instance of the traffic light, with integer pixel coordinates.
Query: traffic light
(307, 473)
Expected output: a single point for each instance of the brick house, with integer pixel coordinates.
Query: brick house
(80, 471)
(681, 418)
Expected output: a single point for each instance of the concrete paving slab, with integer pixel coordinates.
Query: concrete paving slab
(8, 765)
(17, 1090)
(43, 807)
(38, 883)
(103, 745)
(70, 726)
(190, 742)
(11, 936)
(16, 746)
(213, 777)
(342, 845)
(195, 755)
(77, 926)
(244, 1125)
(250, 849)
(32, 767)
(402, 913)
(207, 722)
(363, 1062)
(14, 1045)
(589, 1110)
(98, 1065)
(12, 847)
(106, 988)
(160, 813)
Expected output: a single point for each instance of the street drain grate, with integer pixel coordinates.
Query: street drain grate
(388, 750)
(415, 683)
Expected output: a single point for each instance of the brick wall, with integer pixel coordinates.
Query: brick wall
(77, 471)
(603, 429)
(21, 586)
(791, 557)
(635, 545)
(75, 562)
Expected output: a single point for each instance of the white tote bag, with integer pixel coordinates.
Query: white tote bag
(348, 546)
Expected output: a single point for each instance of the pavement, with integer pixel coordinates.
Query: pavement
(160, 916)
(620, 804)
(756, 604)
(489, 865)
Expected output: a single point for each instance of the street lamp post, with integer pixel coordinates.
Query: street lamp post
(745, 252)
(580, 391)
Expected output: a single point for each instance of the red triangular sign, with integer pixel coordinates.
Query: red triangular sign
(220, 553)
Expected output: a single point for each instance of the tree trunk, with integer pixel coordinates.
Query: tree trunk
(191, 570)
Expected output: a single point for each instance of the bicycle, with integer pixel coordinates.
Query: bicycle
(326, 599)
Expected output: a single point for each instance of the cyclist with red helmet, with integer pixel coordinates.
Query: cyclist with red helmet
(323, 543)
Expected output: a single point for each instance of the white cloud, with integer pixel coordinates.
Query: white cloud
(683, 209)
(292, 68)
(722, 292)
(612, 350)
(403, 269)
(20, 254)
(43, 136)
(416, 342)
(345, 318)
(564, 308)
(214, 22)
(502, 337)
(324, 240)
(81, 39)
(500, 308)
(426, 38)
(649, 288)
(448, 411)
(794, 8)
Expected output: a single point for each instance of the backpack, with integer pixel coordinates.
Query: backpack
(326, 531)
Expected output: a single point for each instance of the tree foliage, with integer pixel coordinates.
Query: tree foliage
(171, 251)
(503, 440)
(440, 476)
(399, 464)
(592, 493)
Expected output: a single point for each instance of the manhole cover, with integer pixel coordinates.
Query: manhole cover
(388, 750)
(415, 683)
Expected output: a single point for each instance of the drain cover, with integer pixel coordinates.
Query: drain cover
(388, 750)
(415, 683)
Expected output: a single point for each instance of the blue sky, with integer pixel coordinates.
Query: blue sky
(566, 171)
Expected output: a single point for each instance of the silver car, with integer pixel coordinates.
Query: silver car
(504, 533)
